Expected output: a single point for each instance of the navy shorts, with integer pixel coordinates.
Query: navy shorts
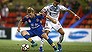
(36, 32)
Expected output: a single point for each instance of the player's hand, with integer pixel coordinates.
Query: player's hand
(18, 29)
(42, 13)
(53, 20)
(47, 16)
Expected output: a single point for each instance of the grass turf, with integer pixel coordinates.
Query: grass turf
(15, 46)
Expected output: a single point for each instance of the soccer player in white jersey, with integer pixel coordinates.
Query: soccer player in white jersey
(53, 11)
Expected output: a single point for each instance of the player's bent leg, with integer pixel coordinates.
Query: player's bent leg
(42, 41)
(60, 39)
(26, 35)
(62, 35)
(50, 41)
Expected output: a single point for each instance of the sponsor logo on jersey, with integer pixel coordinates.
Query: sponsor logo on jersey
(37, 20)
(78, 34)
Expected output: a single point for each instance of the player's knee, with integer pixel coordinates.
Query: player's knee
(47, 32)
(23, 33)
(61, 31)
(44, 36)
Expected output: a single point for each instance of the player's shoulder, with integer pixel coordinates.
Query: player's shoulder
(60, 5)
(26, 16)
(39, 15)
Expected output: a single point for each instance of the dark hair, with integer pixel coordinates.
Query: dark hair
(57, 1)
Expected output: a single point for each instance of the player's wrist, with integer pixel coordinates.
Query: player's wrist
(75, 15)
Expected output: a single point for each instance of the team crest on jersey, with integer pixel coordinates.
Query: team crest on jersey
(29, 20)
(54, 9)
(37, 20)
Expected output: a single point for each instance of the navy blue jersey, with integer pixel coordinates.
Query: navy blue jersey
(33, 22)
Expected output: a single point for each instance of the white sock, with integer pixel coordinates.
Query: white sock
(42, 42)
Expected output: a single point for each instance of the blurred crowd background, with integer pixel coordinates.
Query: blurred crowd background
(11, 11)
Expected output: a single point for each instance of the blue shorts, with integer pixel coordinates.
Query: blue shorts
(36, 32)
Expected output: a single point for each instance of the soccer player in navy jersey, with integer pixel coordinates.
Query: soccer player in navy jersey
(53, 10)
(36, 28)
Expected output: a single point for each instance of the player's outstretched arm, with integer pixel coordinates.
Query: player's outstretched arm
(19, 25)
(73, 14)
(42, 13)
(53, 20)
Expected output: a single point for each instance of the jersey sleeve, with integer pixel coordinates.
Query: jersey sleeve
(24, 19)
(41, 17)
(63, 8)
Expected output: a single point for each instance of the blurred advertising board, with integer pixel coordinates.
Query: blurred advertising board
(77, 35)
(17, 35)
(5, 33)
(71, 35)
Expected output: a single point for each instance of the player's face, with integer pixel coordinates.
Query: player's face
(56, 3)
(31, 14)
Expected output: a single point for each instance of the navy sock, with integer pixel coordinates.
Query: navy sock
(52, 44)
(50, 41)
(32, 42)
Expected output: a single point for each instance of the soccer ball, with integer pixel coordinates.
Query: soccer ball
(25, 47)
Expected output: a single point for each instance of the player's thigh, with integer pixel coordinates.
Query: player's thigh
(61, 31)
(47, 26)
(39, 33)
(56, 26)
(30, 33)
(24, 32)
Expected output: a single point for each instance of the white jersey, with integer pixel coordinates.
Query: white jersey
(53, 11)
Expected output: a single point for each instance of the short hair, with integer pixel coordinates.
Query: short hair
(30, 9)
(57, 1)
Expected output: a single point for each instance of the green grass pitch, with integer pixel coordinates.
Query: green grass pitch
(15, 46)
